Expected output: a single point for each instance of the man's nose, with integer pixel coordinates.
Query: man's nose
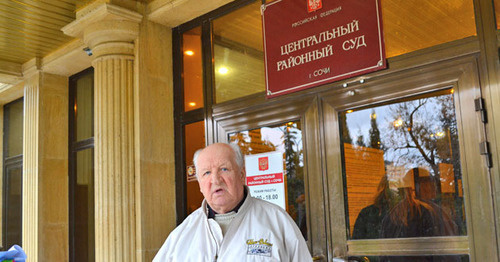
(216, 179)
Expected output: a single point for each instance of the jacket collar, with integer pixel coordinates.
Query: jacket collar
(211, 213)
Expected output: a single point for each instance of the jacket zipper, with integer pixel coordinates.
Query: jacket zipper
(215, 240)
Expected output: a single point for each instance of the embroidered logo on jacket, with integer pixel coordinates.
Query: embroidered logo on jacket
(260, 247)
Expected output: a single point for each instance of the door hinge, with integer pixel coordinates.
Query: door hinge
(484, 149)
(479, 105)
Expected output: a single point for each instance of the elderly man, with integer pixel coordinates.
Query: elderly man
(231, 225)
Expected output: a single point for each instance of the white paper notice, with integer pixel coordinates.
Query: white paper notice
(265, 177)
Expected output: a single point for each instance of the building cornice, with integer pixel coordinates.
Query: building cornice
(10, 73)
(101, 13)
(172, 13)
(108, 30)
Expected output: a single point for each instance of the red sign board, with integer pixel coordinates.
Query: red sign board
(308, 43)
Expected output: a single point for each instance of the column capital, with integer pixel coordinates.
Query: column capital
(107, 29)
(32, 67)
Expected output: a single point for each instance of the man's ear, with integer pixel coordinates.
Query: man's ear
(243, 173)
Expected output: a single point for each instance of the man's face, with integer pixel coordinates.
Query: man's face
(221, 179)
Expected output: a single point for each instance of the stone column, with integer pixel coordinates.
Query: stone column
(30, 167)
(154, 135)
(45, 165)
(110, 32)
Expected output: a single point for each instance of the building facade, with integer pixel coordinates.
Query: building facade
(99, 133)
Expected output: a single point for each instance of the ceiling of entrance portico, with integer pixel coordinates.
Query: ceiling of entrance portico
(32, 28)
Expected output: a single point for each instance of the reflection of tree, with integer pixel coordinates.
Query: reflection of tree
(241, 140)
(360, 141)
(346, 135)
(294, 170)
(425, 133)
(293, 157)
(412, 133)
(450, 141)
(374, 132)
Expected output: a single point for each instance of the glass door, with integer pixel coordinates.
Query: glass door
(288, 132)
(407, 182)
(402, 171)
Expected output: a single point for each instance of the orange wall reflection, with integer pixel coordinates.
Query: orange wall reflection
(364, 168)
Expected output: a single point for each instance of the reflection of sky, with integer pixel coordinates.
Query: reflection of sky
(359, 122)
(275, 136)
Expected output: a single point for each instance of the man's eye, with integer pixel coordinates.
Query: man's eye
(206, 173)
(224, 169)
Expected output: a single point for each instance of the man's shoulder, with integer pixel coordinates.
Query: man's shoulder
(192, 220)
(267, 206)
(195, 216)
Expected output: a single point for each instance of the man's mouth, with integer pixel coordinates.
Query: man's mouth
(219, 191)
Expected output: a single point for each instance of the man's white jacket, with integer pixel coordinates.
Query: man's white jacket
(260, 231)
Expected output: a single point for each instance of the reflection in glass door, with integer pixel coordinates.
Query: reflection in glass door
(287, 139)
(402, 172)
(403, 155)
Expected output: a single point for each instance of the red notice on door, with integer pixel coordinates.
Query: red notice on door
(308, 43)
(265, 177)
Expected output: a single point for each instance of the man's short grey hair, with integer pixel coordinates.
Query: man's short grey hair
(238, 156)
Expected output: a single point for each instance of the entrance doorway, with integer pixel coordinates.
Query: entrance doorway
(391, 166)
